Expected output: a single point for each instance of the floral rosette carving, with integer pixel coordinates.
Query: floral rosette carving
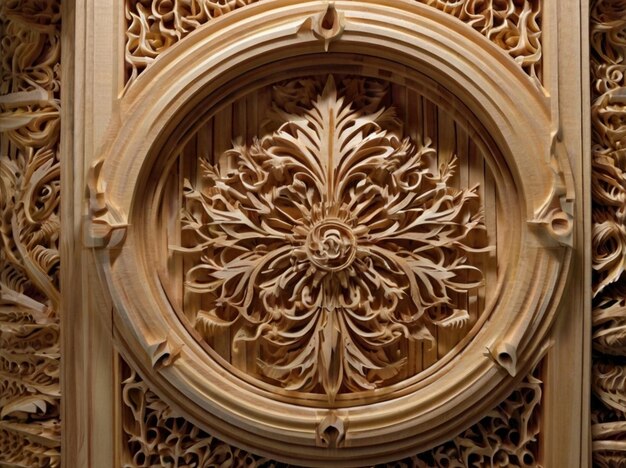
(331, 243)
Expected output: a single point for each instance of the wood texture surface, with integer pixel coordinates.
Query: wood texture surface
(30, 85)
(608, 21)
(310, 312)
(302, 233)
(333, 243)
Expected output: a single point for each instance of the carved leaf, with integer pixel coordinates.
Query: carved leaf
(33, 404)
(329, 243)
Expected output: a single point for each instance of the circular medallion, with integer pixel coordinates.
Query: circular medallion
(324, 242)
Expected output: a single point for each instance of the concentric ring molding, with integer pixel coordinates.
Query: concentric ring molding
(416, 37)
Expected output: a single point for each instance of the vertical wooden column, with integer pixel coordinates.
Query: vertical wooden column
(92, 70)
(565, 415)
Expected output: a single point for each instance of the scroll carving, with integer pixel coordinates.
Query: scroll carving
(155, 25)
(332, 242)
(29, 233)
(507, 436)
(608, 54)
(156, 436)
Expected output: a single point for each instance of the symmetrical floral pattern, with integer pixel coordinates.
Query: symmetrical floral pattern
(331, 243)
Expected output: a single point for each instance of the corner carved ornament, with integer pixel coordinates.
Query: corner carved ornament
(281, 301)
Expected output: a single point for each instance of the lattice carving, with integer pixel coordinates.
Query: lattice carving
(332, 242)
(156, 436)
(507, 436)
(156, 25)
(29, 232)
(608, 47)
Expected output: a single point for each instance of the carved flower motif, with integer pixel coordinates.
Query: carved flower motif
(331, 243)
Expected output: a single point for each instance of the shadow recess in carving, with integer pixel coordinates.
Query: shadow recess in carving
(332, 245)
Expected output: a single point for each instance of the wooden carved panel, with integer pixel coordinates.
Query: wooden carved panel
(156, 435)
(307, 233)
(29, 233)
(155, 25)
(308, 238)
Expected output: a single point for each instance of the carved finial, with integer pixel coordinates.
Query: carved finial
(105, 228)
(163, 354)
(556, 215)
(326, 26)
(331, 431)
(505, 355)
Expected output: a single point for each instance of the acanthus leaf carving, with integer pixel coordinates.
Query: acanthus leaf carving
(345, 237)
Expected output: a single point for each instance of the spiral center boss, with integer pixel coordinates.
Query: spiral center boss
(331, 245)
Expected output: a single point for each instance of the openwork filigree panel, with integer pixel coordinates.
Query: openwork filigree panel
(30, 51)
(331, 254)
(155, 435)
(155, 25)
(310, 238)
(608, 54)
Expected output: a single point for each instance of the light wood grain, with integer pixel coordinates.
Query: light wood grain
(327, 234)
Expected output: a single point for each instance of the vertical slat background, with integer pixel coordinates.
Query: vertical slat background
(422, 120)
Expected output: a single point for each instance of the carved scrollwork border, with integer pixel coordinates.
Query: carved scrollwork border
(154, 26)
(532, 174)
(507, 435)
(608, 116)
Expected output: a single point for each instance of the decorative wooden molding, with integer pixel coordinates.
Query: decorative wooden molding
(608, 52)
(245, 374)
(508, 435)
(29, 233)
(332, 243)
(155, 25)
(329, 233)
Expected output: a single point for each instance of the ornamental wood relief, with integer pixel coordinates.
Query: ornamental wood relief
(332, 243)
(307, 233)
(30, 432)
(155, 25)
(155, 435)
(333, 250)
(608, 50)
